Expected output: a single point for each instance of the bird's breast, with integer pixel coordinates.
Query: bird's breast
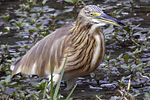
(84, 59)
(99, 50)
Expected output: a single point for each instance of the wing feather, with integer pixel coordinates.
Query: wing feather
(48, 50)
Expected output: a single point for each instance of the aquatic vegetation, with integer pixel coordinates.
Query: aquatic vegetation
(124, 73)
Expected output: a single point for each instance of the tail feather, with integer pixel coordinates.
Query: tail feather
(15, 69)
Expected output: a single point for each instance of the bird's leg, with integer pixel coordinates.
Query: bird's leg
(71, 83)
(55, 80)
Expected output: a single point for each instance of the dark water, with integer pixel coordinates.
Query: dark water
(137, 13)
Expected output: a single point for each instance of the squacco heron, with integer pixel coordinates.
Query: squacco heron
(83, 42)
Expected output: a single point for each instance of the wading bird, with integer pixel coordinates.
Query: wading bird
(83, 42)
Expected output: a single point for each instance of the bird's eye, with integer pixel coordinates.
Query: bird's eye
(91, 14)
(95, 14)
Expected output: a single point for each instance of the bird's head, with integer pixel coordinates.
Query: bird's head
(93, 14)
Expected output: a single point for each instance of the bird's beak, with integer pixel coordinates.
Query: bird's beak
(109, 20)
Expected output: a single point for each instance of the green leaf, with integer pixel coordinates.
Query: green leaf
(18, 24)
(8, 78)
(31, 3)
(38, 25)
(119, 57)
(70, 1)
(127, 28)
(44, 1)
(135, 27)
(5, 18)
(109, 30)
(126, 58)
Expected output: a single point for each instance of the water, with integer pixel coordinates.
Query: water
(103, 83)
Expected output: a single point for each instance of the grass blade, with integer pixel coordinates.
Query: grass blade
(71, 92)
(60, 78)
(44, 93)
(51, 90)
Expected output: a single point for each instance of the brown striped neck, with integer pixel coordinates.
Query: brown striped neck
(82, 28)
